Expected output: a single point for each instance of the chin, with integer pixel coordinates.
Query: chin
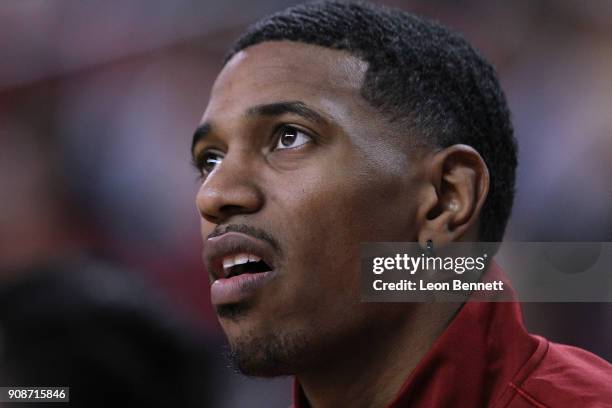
(266, 355)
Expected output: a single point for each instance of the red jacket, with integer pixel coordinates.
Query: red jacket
(486, 358)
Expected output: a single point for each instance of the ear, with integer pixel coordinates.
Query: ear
(456, 186)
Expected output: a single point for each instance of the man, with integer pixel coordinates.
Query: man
(333, 124)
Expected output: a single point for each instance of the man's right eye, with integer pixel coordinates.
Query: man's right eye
(206, 162)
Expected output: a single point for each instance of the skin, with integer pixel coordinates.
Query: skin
(356, 178)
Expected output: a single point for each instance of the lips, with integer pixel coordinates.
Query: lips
(239, 266)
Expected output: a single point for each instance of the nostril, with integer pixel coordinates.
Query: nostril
(211, 218)
(223, 213)
(231, 209)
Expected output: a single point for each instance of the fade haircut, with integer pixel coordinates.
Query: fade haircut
(421, 75)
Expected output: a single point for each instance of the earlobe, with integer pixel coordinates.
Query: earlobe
(457, 186)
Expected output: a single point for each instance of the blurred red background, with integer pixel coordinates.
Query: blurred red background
(98, 102)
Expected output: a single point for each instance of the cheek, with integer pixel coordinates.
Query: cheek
(327, 215)
(347, 207)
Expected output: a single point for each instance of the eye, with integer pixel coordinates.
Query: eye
(290, 137)
(207, 161)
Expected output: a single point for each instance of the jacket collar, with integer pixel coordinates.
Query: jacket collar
(473, 361)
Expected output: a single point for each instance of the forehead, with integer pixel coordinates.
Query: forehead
(281, 70)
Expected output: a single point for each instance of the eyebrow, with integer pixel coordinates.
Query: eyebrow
(270, 109)
(281, 108)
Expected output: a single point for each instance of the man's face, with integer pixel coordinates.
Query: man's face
(303, 167)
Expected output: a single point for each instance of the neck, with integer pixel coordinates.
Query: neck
(370, 370)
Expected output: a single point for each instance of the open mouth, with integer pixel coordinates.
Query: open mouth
(244, 263)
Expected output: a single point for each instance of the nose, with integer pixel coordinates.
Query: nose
(228, 191)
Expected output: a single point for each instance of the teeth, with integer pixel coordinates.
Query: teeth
(228, 263)
(239, 259)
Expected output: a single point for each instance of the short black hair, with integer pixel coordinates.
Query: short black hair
(420, 74)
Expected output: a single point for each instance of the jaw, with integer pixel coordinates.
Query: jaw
(264, 352)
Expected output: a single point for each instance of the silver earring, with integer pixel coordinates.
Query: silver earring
(429, 249)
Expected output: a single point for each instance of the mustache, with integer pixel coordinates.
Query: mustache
(254, 232)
